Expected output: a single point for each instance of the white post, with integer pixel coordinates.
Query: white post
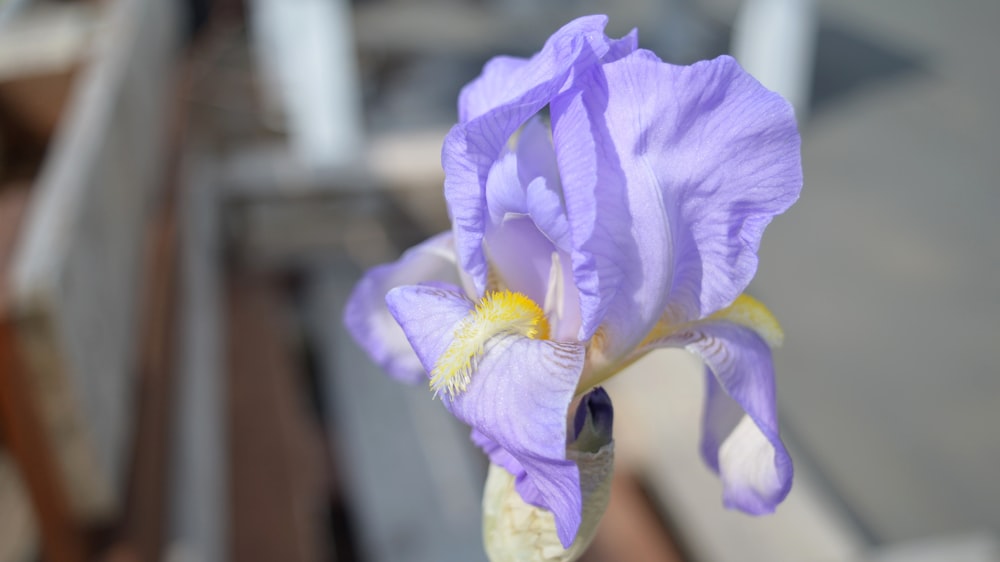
(775, 41)
(306, 51)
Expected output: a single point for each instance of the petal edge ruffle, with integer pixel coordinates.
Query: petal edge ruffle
(740, 436)
(368, 319)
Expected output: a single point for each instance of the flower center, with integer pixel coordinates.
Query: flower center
(499, 313)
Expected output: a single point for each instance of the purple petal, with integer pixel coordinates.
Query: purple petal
(506, 80)
(526, 182)
(518, 397)
(498, 455)
(720, 205)
(619, 48)
(505, 192)
(671, 174)
(491, 109)
(620, 230)
(539, 173)
(368, 319)
(740, 437)
(522, 256)
(535, 156)
(428, 316)
(527, 224)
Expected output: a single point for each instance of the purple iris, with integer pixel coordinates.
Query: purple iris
(604, 203)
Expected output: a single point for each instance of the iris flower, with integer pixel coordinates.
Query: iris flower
(603, 204)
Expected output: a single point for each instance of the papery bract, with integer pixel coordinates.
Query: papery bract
(627, 220)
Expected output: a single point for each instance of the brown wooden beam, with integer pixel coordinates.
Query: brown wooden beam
(24, 437)
(20, 421)
(276, 466)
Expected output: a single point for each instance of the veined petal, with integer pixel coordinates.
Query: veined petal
(740, 438)
(711, 158)
(517, 397)
(491, 109)
(518, 380)
(517, 527)
(367, 317)
(517, 531)
(592, 431)
(506, 80)
(733, 163)
(428, 316)
(618, 221)
(721, 204)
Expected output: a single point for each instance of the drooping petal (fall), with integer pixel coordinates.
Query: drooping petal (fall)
(740, 438)
(518, 395)
(368, 319)
(517, 530)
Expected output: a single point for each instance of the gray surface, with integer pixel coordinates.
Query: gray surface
(884, 275)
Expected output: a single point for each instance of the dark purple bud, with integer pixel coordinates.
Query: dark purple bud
(594, 421)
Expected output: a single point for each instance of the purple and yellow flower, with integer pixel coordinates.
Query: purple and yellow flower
(603, 204)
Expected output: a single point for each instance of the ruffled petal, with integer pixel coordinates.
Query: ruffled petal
(506, 80)
(721, 204)
(617, 216)
(428, 316)
(685, 180)
(518, 396)
(492, 108)
(740, 438)
(368, 319)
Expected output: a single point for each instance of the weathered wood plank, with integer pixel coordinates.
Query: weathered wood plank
(76, 273)
(18, 530)
(24, 435)
(18, 421)
(276, 481)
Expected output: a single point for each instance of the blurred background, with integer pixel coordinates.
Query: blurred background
(189, 190)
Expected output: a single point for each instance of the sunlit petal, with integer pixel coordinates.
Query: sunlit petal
(368, 319)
